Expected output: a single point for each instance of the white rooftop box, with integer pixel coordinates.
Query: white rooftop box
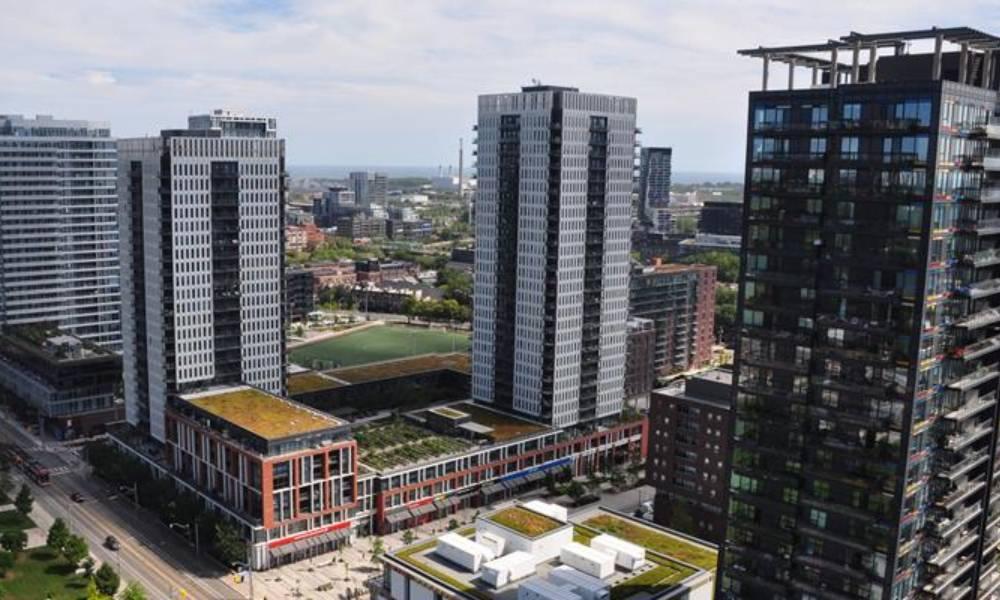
(559, 513)
(514, 566)
(463, 552)
(540, 589)
(627, 555)
(588, 560)
(587, 587)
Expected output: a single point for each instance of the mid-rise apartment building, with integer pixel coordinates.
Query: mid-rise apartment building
(202, 218)
(680, 300)
(59, 227)
(688, 459)
(553, 218)
(368, 188)
(864, 450)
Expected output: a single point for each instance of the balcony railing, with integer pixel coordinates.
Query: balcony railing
(943, 557)
(980, 348)
(981, 289)
(960, 440)
(980, 319)
(983, 257)
(970, 380)
(981, 226)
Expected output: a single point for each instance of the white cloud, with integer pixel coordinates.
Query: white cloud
(395, 81)
(99, 78)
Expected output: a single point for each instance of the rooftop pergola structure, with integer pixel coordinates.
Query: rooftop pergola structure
(970, 41)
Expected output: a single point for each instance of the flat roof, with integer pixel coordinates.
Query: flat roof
(265, 415)
(524, 521)
(311, 381)
(455, 361)
(505, 426)
(674, 559)
(389, 445)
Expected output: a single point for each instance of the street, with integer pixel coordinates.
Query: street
(150, 553)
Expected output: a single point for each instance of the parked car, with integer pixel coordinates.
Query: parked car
(111, 543)
(77, 497)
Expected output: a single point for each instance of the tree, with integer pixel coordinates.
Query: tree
(14, 541)
(686, 225)
(575, 490)
(107, 580)
(727, 263)
(725, 309)
(75, 549)
(133, 591)
(58, 534)
(452, 525)
(408, 537)
(88, 566)
(6, 562)
(378, 549)
(228, 544)
(24, 500)
(92, 592)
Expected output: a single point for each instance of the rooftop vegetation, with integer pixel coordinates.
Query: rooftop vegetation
(389, 445)
(262, 414)
(649, 538)
(526, 522)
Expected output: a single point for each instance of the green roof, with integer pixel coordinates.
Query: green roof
(657, 541)
(262, 414)
(526, 522)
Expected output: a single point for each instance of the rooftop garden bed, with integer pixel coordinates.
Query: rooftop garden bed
(301, 383)
(450, 413)
(403, 367)
(262, 414)
(526, 522)
(667, 545)
(505, 427)
(399, 443)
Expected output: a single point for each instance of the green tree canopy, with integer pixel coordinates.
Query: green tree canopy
(727, 263)
(133, 591)
(58, 534)
(75, 549)
(228, 543)
(6, 562)
(14, 540)
(107, 580)
(24, 501)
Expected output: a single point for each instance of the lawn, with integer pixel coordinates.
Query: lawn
(667, 545)
(12, 520)
(386, 342)
(39, 572)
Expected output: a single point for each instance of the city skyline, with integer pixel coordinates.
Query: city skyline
(331, 73)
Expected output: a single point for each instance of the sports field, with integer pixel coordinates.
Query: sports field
(374, 344)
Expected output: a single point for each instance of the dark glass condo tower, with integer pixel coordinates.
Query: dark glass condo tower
(866, 374)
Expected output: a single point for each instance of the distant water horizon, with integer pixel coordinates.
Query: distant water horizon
(342, 171)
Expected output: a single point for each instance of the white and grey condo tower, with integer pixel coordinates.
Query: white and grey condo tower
(58, 227)
(202, 220)
(553, 213)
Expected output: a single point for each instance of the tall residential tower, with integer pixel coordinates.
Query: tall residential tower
(59, 227)
(864, 445)
(202, 220)
(654, 185)
(552, 252)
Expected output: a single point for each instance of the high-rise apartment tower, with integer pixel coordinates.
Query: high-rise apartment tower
(864, 451)
(552, 252)
(59, 227)
(202, 221)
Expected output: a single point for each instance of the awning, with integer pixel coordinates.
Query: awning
(281, 551)
(492, 488)
(536, 476)
(453, 500)
(398, 517)
(425, 509)
(513, 482)
(441, 504)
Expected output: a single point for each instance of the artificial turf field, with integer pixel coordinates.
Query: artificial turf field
(384, 342)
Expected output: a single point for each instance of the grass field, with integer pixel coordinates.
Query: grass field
(385, 342)
(39, 573)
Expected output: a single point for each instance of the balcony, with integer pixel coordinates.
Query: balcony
(963, 493)
(989, 581)
(977, 377)
(944, 557)
(962, 439)
(963, 467)
(983, 258)
(980, 348)
(945, 581)
(980, 319)
(980, 226)
(991, 161)
(982, 289)
(946, 528)
(971, 408)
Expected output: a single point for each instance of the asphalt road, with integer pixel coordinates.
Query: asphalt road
(150, 553)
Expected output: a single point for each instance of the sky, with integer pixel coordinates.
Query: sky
(394, 82)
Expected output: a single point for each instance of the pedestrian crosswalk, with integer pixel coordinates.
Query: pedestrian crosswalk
(55, 471)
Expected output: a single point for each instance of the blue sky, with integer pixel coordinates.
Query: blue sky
(394, 82)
